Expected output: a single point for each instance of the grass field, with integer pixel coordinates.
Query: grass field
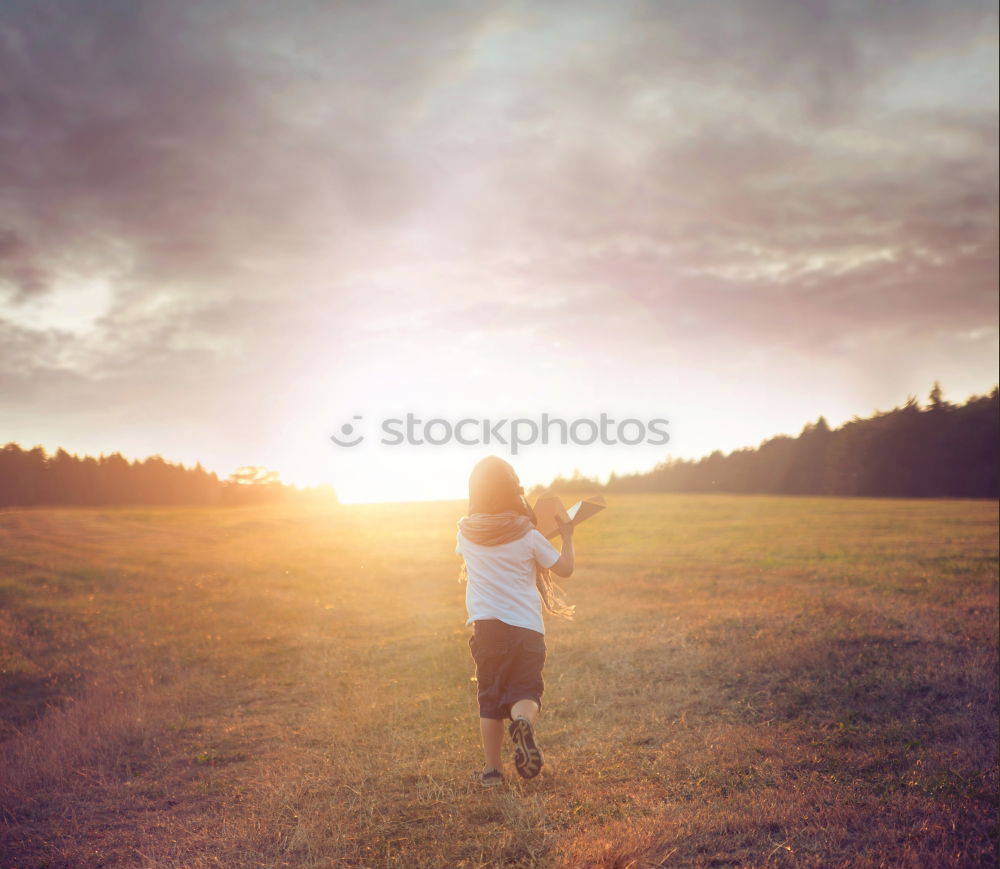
(750, 681)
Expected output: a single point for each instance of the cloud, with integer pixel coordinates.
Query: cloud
(18, 268)
(263, 190)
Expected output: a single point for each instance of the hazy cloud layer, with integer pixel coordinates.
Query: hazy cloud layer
(202, 202)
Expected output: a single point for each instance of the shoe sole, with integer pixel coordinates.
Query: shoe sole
(491, 782)
(527, 755)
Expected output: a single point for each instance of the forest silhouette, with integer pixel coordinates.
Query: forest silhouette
(32, 478)
(941, 450)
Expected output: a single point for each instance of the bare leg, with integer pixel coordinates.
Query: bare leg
(492, 732)
(525, 709)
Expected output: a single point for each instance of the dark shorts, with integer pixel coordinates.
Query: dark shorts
(509, 664)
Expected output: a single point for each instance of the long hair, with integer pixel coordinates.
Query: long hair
(494, 487)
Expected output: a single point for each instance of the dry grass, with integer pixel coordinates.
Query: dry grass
(750, 682)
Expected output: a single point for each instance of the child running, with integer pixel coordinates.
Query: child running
(507, 564)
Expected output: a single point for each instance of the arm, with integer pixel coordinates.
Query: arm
(564, 566)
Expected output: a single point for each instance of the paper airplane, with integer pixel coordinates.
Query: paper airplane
(548, 507)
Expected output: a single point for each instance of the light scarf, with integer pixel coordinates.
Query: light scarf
(493, 529)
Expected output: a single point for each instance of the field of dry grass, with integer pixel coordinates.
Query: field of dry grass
(749, 682)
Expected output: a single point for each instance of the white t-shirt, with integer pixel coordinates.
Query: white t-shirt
(502, 579)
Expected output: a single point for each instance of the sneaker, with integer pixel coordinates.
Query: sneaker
(527, 755)
(491, 778)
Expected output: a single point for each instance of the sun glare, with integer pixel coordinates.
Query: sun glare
(360, 477)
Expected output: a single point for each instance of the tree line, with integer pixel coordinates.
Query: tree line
(940, 450)
(32, 478)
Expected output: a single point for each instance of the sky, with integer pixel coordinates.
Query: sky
(227, 230)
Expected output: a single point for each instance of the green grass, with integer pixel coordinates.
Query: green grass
(750, 681)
